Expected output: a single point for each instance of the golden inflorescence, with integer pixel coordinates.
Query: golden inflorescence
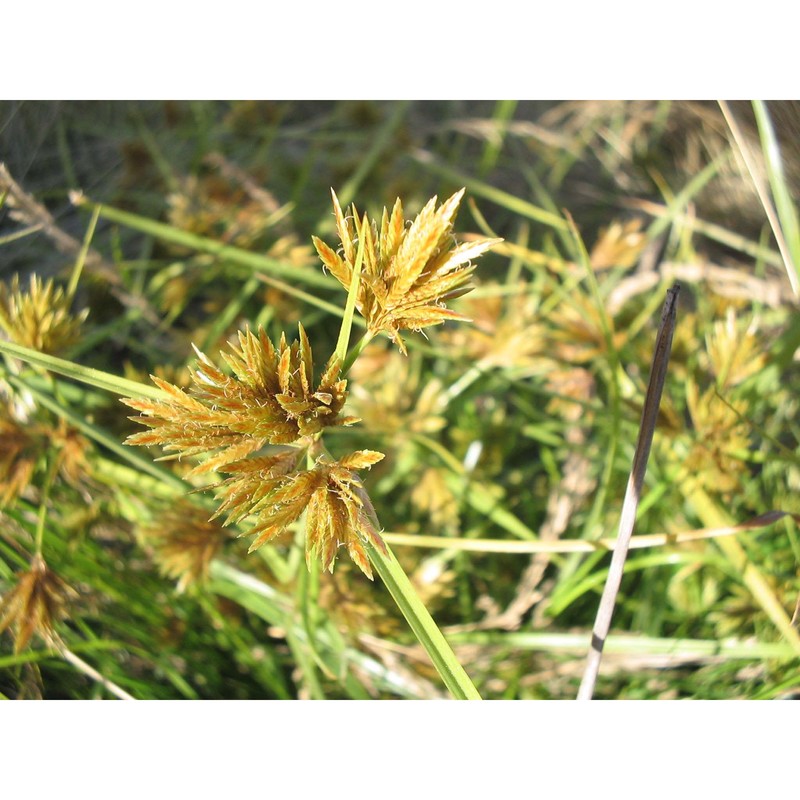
(40, 317)
(270, 398)
(407, 272)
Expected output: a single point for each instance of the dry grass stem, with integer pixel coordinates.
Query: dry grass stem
(658, 374)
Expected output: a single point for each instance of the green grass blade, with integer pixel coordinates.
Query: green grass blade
(421, 622)
(784, 203)
(503, 114)
(482, 189)
(380, 142)
(87, 375)
(201, 244)
(635, 645)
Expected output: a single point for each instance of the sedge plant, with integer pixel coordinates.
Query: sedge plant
(509, 438)
(398, 277)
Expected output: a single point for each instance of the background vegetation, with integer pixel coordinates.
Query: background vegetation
(508, 440)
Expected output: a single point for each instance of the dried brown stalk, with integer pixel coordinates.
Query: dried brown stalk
(658, 374)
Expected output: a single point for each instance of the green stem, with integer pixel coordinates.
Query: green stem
(356, 350)
(88, 375)
(42, 516)
(421, 622)
(418, 617)
(201, 244)
(84, 251)
(352, 295)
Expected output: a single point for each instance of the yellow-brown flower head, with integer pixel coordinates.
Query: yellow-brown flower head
(35, 604)
(338, 510)
(184, 542)
(25, 444)
(269, 398)
(18, 456)
(720, 434)
(734, 354)
(407, 272)
(39, 318)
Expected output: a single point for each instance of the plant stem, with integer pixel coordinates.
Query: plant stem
(352, 295)
(84, 251)
(356, 350)
(88, 375)
(652, 401)
(425, 629)
(86, 669)
(421, 622)
(42, 517)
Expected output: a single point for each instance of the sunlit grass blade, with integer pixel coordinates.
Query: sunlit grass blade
(201, 244)
(641, 541)
(421, 622)
(678, 650)
(380, 141)
(503, 113)
(785, 204)
(677, 203)
(87, 375)
(277, 609)
(489, 192)
(84, 251)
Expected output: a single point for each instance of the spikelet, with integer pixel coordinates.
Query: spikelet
(268, 399)
(338, 511)
(39, 318)
(183, 542)
(408, 272)
(34, 604)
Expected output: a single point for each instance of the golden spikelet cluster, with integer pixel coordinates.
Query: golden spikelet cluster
(720, 435)
(39, 318)
(24, 445)
(18, 457)
(269, 399)
(338, 511)
(618, 245)
(507, 332)
(34, 604)
(734, 354)
(183, 542)
(577, 334)
(407, 272)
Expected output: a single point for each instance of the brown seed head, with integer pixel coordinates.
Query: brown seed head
(34, 605)
(338, 511)
(184, 542)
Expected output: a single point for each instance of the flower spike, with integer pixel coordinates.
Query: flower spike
(409, 272)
